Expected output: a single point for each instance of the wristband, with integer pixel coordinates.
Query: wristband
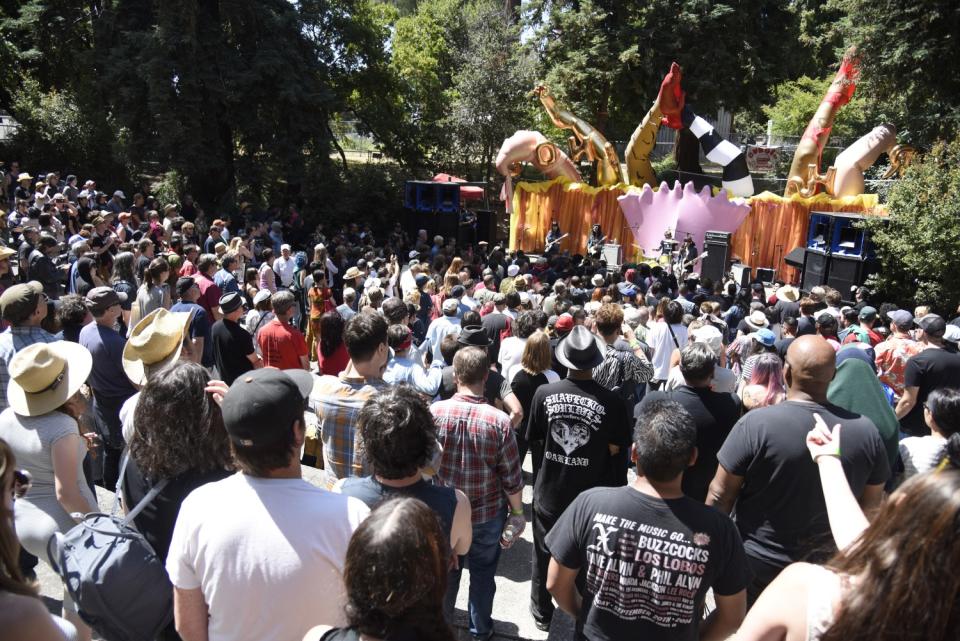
(516, 513)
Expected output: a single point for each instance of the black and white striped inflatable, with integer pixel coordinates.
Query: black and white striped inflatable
(736, 176)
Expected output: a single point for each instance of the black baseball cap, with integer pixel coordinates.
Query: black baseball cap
(263, 404)
(933, 325)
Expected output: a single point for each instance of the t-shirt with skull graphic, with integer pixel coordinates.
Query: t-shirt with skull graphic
(577, 421)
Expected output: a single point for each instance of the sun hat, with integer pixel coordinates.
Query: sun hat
(709, 336)
(764, 336)
(580, 350)
(788, 293)
(757, 319)
(43, 376)
(24, 176)
(597, 280)
(513, 270)
(261, 405)
(6, 252)
(352, 273)
(155, 342)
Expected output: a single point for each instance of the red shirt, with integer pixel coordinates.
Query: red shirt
(281, 345)
(209, 294)
(335, 363)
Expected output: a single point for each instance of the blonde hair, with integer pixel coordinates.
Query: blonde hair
(430, 286)
(536, 357)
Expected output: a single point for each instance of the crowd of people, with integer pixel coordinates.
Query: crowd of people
(793, 457)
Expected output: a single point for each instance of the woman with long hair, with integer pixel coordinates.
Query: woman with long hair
(395, 576)
(895, 576)
(86, 275)
(124, 281)
(179, 438)
(154, 292)
(765, 386)
(320, 300)
(22, 613)
(332, 356)
(668, 335)
(41, 428)
(251, 278)
(454, 269)
(525, 378)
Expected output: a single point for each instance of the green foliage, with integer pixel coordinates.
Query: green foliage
(795, 102)
(919, 245)
(910, 65)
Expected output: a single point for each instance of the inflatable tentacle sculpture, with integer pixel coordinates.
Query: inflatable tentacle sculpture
(532, 147)
(585, 141)
(900, 158)
(805, 178)
(667, 106)
(736, 177)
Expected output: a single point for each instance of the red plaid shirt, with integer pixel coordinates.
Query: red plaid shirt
(480, 455)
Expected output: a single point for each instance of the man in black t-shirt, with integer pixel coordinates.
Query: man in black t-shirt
(646, 553)
(931, 369)
(714, 414)
(233, 349)
(766, 470)
(583, 427)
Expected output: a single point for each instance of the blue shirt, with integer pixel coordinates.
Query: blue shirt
(12, 340)
(107, 377)
(200, 327)
(226, 281)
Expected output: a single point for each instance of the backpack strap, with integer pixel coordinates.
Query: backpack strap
(119, 488)
(145, 501)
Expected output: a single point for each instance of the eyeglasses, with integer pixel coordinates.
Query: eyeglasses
(21, 483)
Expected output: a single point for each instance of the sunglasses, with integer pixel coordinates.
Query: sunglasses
(21, 483)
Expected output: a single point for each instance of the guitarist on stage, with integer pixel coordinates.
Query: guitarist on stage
(554, 237)
(596, 241)
(688, 255)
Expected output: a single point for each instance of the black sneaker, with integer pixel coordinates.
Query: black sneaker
(542, 624)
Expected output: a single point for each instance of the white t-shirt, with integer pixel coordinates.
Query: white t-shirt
(511, 351)
(127, 410)
(258, 549)
(285, 267)
(661, 342)
(921, 454)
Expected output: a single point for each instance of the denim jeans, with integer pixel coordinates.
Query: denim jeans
(482, 560)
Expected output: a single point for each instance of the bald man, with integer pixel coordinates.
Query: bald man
(766, 470)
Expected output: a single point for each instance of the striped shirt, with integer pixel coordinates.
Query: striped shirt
(480, 456)
(337, 401)
(622, 369)
(12, 341)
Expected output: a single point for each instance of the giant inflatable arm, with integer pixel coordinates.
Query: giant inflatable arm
(668, 105)
(736, 177)
(804, 177)
(585, 141)
(533, 147)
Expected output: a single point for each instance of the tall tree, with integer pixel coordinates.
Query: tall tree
(908, 53)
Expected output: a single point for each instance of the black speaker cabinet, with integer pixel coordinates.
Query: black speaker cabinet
(795, 257)
(816, 264)
(714, 266)
(847, 272)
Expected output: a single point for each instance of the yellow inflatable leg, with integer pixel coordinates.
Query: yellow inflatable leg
(644, 138)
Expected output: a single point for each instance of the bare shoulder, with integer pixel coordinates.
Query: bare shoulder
(25, 617)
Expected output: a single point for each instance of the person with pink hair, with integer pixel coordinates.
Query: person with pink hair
(766, 385)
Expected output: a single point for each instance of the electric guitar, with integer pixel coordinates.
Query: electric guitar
(551, 243)
(595, 248)
(681, 266)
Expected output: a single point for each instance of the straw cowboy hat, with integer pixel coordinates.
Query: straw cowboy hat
(156, 341)
(788, 293)
(757, 319)
(43, 376)
(352, 273)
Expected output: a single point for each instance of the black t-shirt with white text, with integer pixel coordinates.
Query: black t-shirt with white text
(646, 562)
(231, 346)
(929, 370)
(780, 511)
(714, 413)
(577, 420)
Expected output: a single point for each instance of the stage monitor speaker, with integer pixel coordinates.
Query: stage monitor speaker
(795, 257)
(765, 274)
(741, 274)
(816, 264)
(717, 247)
(611, 255)
(847, 272)
(410, 194)
(426, 196)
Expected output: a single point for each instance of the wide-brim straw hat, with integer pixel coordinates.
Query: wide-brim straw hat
(352, 273)
(757, 319)
(788, 293)
(155, 342)
(43, 376)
